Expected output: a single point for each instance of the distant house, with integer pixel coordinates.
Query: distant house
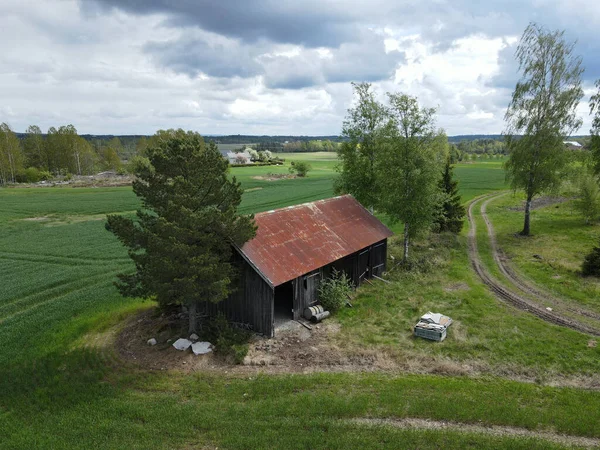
(239, 158)
(573, 144)
(293, 250)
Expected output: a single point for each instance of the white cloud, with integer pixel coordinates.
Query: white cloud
(270, 68)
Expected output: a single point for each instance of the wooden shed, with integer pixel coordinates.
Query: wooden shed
(293, 250)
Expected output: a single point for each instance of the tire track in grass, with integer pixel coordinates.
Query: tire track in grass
(524, 285)
(61, 260)
(492, 430)
(508, 295)
(57, 290)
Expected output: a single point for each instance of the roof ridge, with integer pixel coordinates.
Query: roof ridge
(287, 208)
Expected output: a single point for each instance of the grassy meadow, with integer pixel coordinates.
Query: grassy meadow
(62, 386)
(560, 239)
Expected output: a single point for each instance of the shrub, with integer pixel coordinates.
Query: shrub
(228, 341)
(333, 291)
(591, 263)
(588, 203)
(137, 164)
(300, 168)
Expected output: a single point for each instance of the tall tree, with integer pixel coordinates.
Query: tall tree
(33, 145)
(365, 128)
(63, 150)
(411, 167)
(542, 112)
(181, 240)
(451, 214)
(11, 155)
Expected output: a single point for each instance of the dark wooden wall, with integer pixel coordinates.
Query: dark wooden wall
(378, 258)
(358, 266)
(251, 303)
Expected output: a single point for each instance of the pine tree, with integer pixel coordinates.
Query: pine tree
(181, 240)
(452, 212)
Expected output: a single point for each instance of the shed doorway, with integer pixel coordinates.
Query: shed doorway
(283, 308)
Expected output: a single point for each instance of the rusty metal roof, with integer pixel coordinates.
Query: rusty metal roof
(298, 239)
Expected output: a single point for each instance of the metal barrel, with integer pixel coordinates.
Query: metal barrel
(320, 316)
(312, 311)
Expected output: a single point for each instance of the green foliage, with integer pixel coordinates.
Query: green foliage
(411, 167)
(253, 154)
(181, 240)
(33, 175)
(481, 147)
(392, 159)
(325, 145)
(300, 168)
(542, 112)
(229, 341)
(588, 200)
(137, 164)
(11, 155)
(451, 214)
(365, 129)
(591, 263)
(109, 159)
(334, 291)
(34, 147)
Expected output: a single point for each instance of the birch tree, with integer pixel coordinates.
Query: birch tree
(365, 128)
(541, 113)
(11, 155)
(34, 148)
(410, 170)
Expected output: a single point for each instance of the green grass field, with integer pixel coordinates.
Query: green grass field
(57, 266)
(560, 240)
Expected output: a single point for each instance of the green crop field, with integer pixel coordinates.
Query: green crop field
(61, 388)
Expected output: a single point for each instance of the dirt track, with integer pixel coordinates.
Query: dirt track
(523, 295)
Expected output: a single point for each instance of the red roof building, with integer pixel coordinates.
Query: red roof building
(294, 249)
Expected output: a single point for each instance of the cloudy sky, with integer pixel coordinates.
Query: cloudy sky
(268, 66)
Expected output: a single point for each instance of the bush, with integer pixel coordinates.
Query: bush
(228, 341)
(334, 291)
(301, 168)
(137, 164)
(591, 263)
(588, 202)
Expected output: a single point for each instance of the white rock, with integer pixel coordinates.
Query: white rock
(152, 341)
(549, 309)
(201, 348)
(194, 337)
(182, 344)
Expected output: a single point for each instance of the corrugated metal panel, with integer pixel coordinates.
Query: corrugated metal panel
(296, 240)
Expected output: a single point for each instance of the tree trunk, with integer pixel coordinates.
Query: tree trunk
(405, 257)
(526, 226)
(193, 315)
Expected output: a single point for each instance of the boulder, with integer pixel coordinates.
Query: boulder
(194, 337)
(151, 341)
(201, 348)
(182, 344)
